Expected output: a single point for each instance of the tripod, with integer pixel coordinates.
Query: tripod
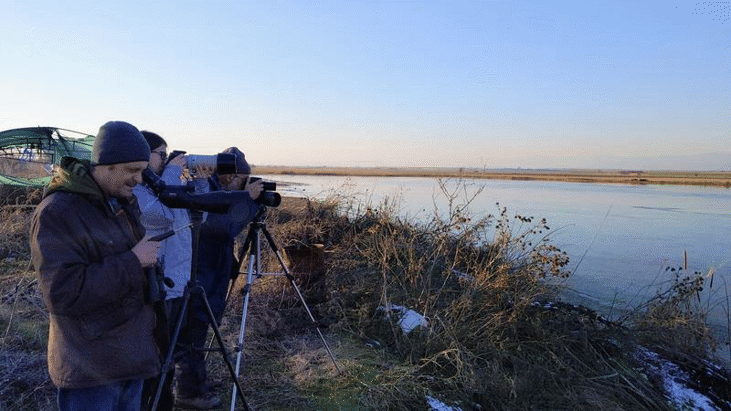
(253, 244)
(191, 288)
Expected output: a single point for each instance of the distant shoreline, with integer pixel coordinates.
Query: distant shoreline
(691, 178)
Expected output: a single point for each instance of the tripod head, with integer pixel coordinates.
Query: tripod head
(260, 213)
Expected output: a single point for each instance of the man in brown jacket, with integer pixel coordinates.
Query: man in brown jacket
(88, 249)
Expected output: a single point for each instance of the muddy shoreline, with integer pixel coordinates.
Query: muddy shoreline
(692, 178)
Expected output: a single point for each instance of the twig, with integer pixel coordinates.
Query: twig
(728, 319)
(12, 312)
(592, 240)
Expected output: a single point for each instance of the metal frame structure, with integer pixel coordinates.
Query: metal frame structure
(42, 145)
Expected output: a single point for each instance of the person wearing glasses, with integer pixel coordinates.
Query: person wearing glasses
(175, 261)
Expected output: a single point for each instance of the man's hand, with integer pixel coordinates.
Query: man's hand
(178, 160)
(146, 251)
(255, 188)
(204, 171)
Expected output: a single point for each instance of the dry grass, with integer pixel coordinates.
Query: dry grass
(702, 178)
(23, 319)
(26, 169)
(496, 338)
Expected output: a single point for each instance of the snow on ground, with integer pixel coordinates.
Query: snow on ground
(675, 381)
(437, 405)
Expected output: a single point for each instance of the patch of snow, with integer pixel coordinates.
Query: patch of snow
(683, 395)
(674, 381)
(548, 305)
(437, 405)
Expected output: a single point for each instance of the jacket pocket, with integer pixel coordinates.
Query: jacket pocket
(94, 326)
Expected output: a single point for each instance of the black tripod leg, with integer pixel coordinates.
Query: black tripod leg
(225, 304)
(221, 344)
(299, 294)
(171, 348)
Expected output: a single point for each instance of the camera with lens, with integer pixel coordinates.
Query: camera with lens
(265, 185)
(269, 196)
(223, 163)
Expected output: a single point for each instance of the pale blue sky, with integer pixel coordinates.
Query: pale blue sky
(531, 84)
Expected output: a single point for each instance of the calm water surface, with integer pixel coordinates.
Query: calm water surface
(620, 238)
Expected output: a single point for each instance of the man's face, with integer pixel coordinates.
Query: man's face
(233, 181)
(157, 159)
(117, 180)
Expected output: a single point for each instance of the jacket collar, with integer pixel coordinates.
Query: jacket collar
(74, 176)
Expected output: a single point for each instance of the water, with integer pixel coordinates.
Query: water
(620, 238)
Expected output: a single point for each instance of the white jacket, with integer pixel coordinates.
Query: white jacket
(175, 256)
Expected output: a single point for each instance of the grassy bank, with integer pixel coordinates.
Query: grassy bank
(701, 178)
(494, 334)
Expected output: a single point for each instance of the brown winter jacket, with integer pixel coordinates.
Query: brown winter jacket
(101, 329)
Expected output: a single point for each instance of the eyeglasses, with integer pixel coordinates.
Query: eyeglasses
(163, 155)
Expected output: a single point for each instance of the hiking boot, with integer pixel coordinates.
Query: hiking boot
(198, 403)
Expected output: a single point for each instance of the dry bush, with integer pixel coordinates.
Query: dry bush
(674, 320)
(25, 383)
(24, 380)
(489, 342)
(15, 221)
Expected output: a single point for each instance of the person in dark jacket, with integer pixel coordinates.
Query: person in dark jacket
(89, 250)
(214, 265)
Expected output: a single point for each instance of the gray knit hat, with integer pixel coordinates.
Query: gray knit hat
(119, 142)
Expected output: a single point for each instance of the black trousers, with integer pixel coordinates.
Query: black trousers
(190, 372)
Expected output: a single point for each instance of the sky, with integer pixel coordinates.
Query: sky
(488, 84)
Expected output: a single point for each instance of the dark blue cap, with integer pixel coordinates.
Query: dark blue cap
(119, 142)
